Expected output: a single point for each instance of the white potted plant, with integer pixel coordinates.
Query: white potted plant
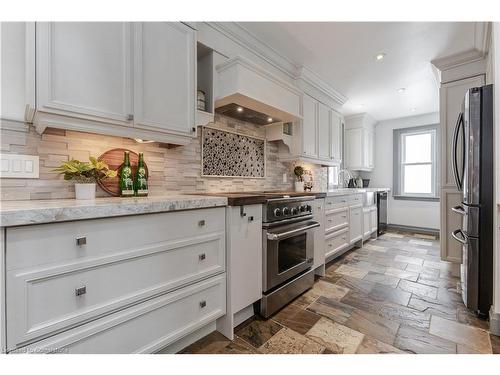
(85, 175)
(298, 171)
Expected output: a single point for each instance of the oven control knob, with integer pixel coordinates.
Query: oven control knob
(303, 208)
(286, 211)
(277, 212)
(308, 208)
(295, 211)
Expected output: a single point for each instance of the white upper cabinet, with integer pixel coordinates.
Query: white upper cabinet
(83, 70)
(336, 137)
(324, 131)
(164, 76)
(135, 80)
(360, 143)
(309, 126)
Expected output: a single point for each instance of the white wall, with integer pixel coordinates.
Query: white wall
(401, 212)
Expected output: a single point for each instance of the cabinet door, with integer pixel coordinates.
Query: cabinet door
(323, 131)
(245, 256)
(451, 98)
(83, 70)
(336, 137)
(355, 224)
(319, 233)
(309, 126)
(354, 148)
(373, 219)
(164, 76)
(366, 223)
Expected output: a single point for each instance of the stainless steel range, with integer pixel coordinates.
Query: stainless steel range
(288, 250)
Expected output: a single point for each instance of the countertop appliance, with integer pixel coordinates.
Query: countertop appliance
(472, 158)
(288, 250)
(381, 212)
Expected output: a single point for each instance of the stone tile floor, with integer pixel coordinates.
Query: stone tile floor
(394, 295)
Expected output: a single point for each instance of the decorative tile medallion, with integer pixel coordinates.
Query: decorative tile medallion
(227, 154)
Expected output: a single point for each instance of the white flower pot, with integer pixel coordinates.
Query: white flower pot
(85, 191)
(299, 186)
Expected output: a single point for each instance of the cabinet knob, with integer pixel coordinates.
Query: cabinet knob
(80, 241)
(202, 257)
(201, 223)
(80, 291)
(193, 129)
(203, 304)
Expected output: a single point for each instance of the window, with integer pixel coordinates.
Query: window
(415, 163)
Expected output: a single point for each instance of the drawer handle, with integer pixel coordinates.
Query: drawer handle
(330, 220)
(344, 216)
(202, 257)
(201, 223)
(343, 201)
(80, 241)
(203, 304)
(80, 291)
(329, 203)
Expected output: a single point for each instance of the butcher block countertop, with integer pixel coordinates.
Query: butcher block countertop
(15, 213)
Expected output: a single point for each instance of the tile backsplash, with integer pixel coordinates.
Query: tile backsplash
(172, 169)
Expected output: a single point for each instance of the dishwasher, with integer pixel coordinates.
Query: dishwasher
(381, 212)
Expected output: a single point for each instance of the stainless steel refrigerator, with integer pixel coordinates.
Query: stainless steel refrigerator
(472, 158)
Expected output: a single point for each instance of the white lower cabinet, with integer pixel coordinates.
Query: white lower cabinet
(244, 259)
(65, 275)
(143, 328)
(374, 219)
(336, 242)
(355, 223)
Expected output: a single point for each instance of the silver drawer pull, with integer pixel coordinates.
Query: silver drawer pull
(80, 241)
(343, 201)
(201, 223)
(344, 217)
(80, 291)
(202, 257)
(330, 220)
(203, 304)
(330, 245)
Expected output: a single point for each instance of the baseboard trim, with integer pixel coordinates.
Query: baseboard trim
(494, 322)
(409, 228)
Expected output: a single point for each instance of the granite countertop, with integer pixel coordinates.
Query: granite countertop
(344, 191)
(14, 213)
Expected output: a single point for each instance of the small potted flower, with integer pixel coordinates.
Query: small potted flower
(85, 175)
(299, 174)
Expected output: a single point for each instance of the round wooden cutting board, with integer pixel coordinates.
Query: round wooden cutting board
(114, 159)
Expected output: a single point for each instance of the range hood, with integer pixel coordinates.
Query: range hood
(247, 92)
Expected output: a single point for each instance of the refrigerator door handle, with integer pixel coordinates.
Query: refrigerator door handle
(459, 210)
(463, 239)
(454, 155)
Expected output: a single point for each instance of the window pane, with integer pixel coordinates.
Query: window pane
(417, 179)
(418, 148)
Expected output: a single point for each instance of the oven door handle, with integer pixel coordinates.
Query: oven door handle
(279, 236)
(463, 239)
(459, 210)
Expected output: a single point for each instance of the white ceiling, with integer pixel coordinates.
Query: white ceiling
(343, 54)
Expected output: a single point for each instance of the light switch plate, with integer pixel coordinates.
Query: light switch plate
(19, 166)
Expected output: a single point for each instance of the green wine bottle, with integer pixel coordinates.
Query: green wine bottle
(126, 182)
(141, 179)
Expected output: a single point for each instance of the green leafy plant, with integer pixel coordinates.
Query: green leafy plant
(85, 172)
(299, 173)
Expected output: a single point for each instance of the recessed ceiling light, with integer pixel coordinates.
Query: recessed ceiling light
(413, 109)
(269, 119)
(239, 109)
(380, 56)
(401, 90)
(361, 105)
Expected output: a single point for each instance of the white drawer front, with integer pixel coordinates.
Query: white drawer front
(336, 219)
(42, 300)
(355, 223)
(336, 202)
(146, 327)
(355, 199)
(336, 242)
(52, 243)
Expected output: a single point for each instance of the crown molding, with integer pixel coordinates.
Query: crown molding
(482, 37)
(459, 59)
(245, 38)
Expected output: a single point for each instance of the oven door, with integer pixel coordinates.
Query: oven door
(288, 251)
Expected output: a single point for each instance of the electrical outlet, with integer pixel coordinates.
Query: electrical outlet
(285, 178)
(19, 166)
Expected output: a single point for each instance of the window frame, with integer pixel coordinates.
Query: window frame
(399, 166)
